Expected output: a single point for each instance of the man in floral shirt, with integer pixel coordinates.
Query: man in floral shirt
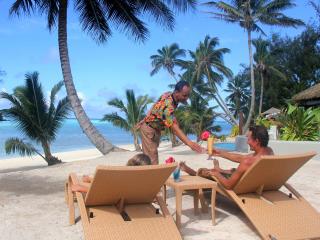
(161, 116)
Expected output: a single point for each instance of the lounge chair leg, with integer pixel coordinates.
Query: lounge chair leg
(178, 207)
(71, 205)
(213, 206)
(196, 202)
(164, 193)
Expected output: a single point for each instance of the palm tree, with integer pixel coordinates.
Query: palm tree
(197, 117)
(95, 18)
(263, 65)
(35, 117)
(207, 62)
(238, 87)
(134, 112)
(167, 58)
(248, 13)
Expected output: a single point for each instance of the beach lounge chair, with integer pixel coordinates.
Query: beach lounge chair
(118, 204)
(275, 214)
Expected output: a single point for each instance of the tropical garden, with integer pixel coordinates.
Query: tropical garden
(279, 67)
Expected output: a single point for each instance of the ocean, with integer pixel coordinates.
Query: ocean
(70, 136)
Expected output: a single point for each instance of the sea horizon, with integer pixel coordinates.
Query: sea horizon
(70, 136)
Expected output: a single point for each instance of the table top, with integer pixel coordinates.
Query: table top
(191, 182)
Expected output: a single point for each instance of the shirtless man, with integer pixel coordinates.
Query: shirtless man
(258, 139)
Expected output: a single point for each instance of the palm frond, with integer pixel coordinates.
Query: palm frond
(116, 120)
(93, 19)
(16, 145)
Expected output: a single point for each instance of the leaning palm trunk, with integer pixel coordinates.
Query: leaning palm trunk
(173, 139)
(51, 160)
(92, 133)
(223, 105)
(246, 126)
(261, 92)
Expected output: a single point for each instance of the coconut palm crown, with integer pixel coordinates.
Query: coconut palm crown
(248, 13)
(167, 58)
(207, 64)
(35, 117)
(96, 17)
(134, 112)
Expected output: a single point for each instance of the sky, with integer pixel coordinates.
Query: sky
(102, 72)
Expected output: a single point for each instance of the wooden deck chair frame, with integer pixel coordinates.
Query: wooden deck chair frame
(275, 214)
(118, 204)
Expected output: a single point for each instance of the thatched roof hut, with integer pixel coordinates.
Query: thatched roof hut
(309, 97)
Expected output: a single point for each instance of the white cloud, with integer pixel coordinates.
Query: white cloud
(82, 98)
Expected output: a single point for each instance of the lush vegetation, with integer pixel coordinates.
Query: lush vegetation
(38, 119)
(300, 124)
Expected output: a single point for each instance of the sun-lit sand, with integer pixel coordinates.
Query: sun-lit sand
(32, 196)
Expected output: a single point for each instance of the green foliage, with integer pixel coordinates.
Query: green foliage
(35, 117)
(262, 121)
(299, 124)
(13, 145)
(133, 111)
(234, 131)
(196, 117)
(223, 138)
(167, 58)
(298, 59)
(238, 89)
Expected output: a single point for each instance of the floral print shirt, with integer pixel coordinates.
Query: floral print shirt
(161, 114)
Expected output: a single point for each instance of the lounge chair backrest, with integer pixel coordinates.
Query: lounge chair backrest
(271, 172)
(133, 184)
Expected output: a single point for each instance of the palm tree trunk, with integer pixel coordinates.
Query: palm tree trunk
(51, 160)
(224, 106)
(136, 142)
(261, 92)
(92, 133)
(246, 126)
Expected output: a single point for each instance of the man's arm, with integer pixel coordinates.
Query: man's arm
(180, 134)
(229, 183)
(234, 157)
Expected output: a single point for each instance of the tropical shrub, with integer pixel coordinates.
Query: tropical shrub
(223, 138)
(234, 131)
(262, 121)
(300, 124)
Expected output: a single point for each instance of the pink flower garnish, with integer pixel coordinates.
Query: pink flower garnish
(205, 135)
(170, 160)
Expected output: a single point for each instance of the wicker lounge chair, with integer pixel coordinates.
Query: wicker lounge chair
(275, 214)
(118, 204)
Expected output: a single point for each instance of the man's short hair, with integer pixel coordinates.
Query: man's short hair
(178, 87)
(260, 133)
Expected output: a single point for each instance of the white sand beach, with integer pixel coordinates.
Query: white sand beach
(32, 196)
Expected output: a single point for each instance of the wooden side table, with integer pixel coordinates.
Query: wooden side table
(195, 183)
